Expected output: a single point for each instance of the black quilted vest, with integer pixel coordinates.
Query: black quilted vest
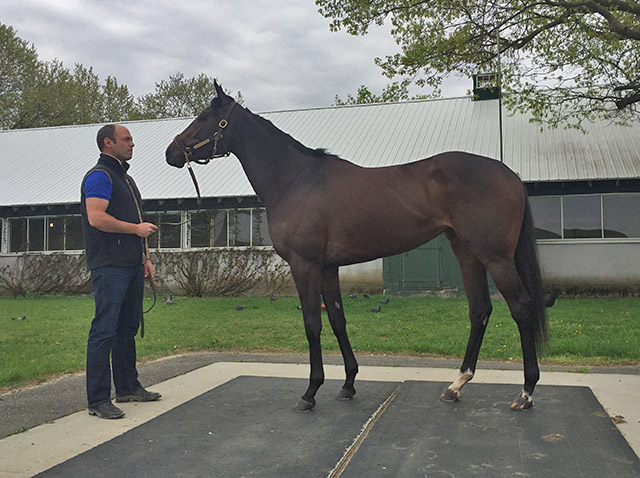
(114, 249)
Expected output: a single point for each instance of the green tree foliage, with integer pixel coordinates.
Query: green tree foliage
(35, 94)
(391, 93)
(563, 60)
(179, 97)
(18, 66)
(117, 103)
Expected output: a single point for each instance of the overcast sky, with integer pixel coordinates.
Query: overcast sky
(279, 53)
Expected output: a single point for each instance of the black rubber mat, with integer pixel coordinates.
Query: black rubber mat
(567, 434)
(247, 428)
(244, 428)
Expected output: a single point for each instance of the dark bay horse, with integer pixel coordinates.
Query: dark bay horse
(325, 212)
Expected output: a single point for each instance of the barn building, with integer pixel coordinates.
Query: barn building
(584, 188)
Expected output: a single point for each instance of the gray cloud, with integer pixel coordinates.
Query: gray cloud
(280, 54)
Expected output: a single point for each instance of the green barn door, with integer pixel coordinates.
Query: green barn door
(422, 267)
(430, 267)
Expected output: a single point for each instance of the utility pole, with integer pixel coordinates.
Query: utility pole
(500, 94)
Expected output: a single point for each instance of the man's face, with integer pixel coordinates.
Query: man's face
(122, 147)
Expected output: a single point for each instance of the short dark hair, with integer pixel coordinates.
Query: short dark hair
(107, 131)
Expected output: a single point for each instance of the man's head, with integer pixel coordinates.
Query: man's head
(116, 141)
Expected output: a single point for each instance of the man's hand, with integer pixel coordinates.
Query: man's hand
(145, 229)
(149, 271)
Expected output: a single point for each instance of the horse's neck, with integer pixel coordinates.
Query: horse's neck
(269, 158)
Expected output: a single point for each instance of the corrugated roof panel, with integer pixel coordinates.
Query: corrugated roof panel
(46, 165)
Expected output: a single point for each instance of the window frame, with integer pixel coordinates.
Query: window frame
(602, 239)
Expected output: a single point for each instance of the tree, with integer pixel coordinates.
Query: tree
(117, 103)
(48, 101)
(178, 97)
(563, 60)
(18, 66)
(391, 93)
(61, 97)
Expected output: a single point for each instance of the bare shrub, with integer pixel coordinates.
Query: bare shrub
(222, 272)
(46, 274)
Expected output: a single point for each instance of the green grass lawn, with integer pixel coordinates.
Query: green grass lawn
(52, 338)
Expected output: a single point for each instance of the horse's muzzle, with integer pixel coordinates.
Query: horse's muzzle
(174, 157)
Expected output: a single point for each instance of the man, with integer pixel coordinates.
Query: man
(118, 258)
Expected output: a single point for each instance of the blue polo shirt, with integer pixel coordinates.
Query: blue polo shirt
(98, 185)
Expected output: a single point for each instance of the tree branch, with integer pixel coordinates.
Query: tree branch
(601, 8)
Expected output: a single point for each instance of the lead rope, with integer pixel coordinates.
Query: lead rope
(150, 279)
(185, 151)
(144, 256)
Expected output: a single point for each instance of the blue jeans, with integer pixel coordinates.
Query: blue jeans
(118, 294)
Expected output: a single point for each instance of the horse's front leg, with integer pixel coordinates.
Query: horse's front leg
(333, 302)
(307, 278)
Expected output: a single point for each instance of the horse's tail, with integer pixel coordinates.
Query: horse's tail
(526, 260)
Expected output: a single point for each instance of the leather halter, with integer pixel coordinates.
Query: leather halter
(188, 151)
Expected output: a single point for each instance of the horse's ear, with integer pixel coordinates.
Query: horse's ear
(219, 91)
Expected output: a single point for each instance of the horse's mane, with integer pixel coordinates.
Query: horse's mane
(318, 152)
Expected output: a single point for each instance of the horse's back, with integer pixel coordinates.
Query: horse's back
(485, 200)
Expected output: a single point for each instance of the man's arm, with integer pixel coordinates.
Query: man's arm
(100, 219)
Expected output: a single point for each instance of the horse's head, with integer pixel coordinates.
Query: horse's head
(203, 141)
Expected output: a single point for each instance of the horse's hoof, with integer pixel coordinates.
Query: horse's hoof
(450, 395)
(304, 405)
(346, 394)
(522, 402)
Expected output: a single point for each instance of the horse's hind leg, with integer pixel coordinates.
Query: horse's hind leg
(508, 281)
(474, 278)
(333, 302)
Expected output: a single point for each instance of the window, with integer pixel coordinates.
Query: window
(170, 233)
(35, 240)
(240, 228)
(594, 216)
(74, 241)
(18, 234)
(261, 235)
(220, 228)
(620, 214)
(546, 213)
(230, 228)
(55, 236)
(582, 217)
(200, 227)
(208, 228)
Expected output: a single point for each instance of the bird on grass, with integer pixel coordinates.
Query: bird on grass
(366, 296)
(169, 299)
(354, 295)
(273, 298)
(19, 318)
(375, 310)
(240, 307)
(385, 301)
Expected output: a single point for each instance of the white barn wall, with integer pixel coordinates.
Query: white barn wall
(607, 265)
(365, 277)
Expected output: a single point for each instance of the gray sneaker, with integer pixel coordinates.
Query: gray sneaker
(106, 410)
(140, 395)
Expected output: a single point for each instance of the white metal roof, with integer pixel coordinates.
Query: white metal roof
(46, 165)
